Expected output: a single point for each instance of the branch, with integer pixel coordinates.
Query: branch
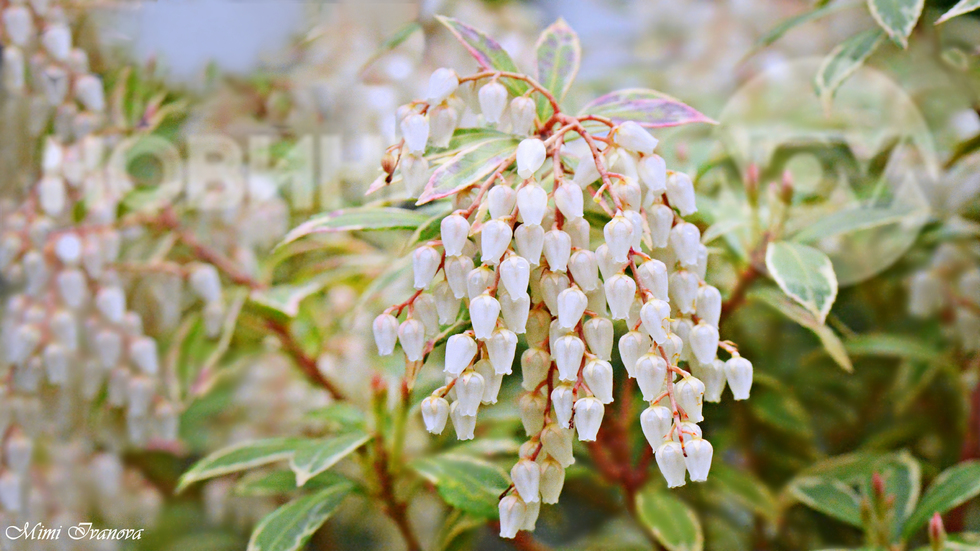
(305, 362)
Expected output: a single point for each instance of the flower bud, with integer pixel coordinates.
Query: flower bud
(478, 281)
(469, 392)
(532, 202)
(502, 346)
(673, 347)
(689, 394)
(143, 353)
(527, 477)
(11, 491)
(447, 305)
(632, 345)
(52, 195)
(19, 24)
(501, 201)
(206, 282)
(698, 460)
(454, 230)
(925, 294)
(494, 240)
(415, 129)
(937, 532)
(552, 284)
(425, 312)
(57, 41)
(598, 375)
(515, 273)
(619, 237)
(684, 240)
(484, 310)
(557, 443)
(458, 269)
(435, 413)
(653, 173)
(442, 122)
(557, 249)
(465, 425)
(585, 269)
(531, 154)
(493, 101)
(620, 290)
(522, 115)
(738, 371)
(491, 381)
(425, 264)
(72, 288)
(460, 350)
(515, 311)
(680, 193)
(636, 219)
(655, 315)
(634, 137)
(111, 302)
(532, 406)
(651, 374)
(713, 376)
(411, 333)
(89, 92)
(704, 342)
(535, 364)
(683, 290)
(538, 324)
(562, 403)
(568, 352)
(13, 69)
(530, 241)
(442, 84)
(588, 418)
(660, 218)
(512, 515)
(670, 459)
(656, 422)
(608, 267)
(569, 200)
(599, 336)
(571, 306)
(415, 173)
(708, 304)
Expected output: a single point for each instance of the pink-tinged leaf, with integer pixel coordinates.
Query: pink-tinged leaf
(468, 167)
(486, 51)
(649, 108)
(559, 58)
(379, 183)
(362, 218)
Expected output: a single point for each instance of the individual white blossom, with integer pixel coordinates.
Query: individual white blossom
(634, 137)
(530, 157)
(435, 413)
(738, 371)
(493, 101)
(588, 417)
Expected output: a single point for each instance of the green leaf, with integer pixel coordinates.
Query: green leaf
(286, 299)
(240, 457)
(961, 7)
(891, 346)
(468, 167)
(843, 61)
(744, 487)
(649, 108)
(559, 58)
(951, 488)
(669, 519)
(486, 51)
(830, 497)
(805, 274)
(828, 339)
(903, 480)
(360, 218)
(897, 17)
(854, 220)
(282, 481)
(786, 25)
(467, 483)
(396, 40)
(315, 457)
(289, 527)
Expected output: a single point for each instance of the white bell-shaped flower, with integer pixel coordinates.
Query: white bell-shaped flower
(454, 230)
(585, 269)
(56, 39)
(707, 304)
(689, 394)
(460, 350)
(673, 348)
(598, 375)
(491, 381)
(415, 173)
(90, 93)
(532, 203)
(738, 371)
(502, 346)
(19, 24)
(515, 311)
(111, 302)
(683, 290)
(512, 511)
(501, 201)
(143, 353)
(656, 422)
(535, 363)
(442, 84)
(425, 264)
(632, 345)
(571, 305)
(435, 413)
(634, 137)
(620, 290)
(660, 219)
(689, 431)
(411, 333)
(579, 230)
(527, 478)
(586, 171)
(684, 240)
(465, 425)
(588, 418)
(670, 459)
(469, 392)
(447, 305)
(698, 460)
(680, 193)
(484, 310)
(494, 239)
(713, 376)
(599, 336)
(458, 269)
(415, 130)
(608, 266)
(552, 284)
(72, 288)
(636, 219)
(515, 273)
(569, 200)
(704, 342)
(552, 480)
(531, 154)
(653, 173)
(478, 281)
(532, 405)
(522, 115)
(493, 101)
(538, 324)
(655, 315)
(568, 352)
(557, 249)
(651, 374)
(562, 404)
(530, 242)
(619, 237)
(653, 276)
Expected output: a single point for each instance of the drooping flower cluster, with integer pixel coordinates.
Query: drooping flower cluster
(520, 257)
(950, 285)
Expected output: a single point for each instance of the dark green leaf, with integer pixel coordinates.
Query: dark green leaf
(891, 346)
(951, 488)
(289, 527)
(315, 457)
(282, 481)
(669, 519)
(467, 483)
(961, 7)
(897, 17)
(830, 497)
(240, 457)
(744, 487)
(843, 61)
(805, 274)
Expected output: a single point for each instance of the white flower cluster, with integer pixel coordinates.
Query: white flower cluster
(951, 284)
(522, 257)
